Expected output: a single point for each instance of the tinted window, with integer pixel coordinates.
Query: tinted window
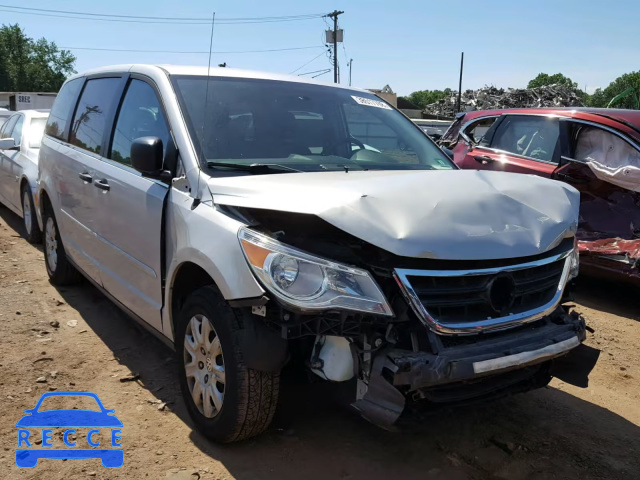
(62, 108)
(529, 136)
(89, 121)
(7, 127)
(17, 130)
(36, 131)
(140, 116)
(301, 126)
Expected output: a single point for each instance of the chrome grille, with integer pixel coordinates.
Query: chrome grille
(470, 301)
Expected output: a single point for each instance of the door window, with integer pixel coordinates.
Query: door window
(17, 130)
(89, 122)
(8, 127)
(140, 116)
(62, 109)
(528, 136)
(477, 130)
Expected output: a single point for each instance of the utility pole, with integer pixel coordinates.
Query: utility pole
(460, 82)
(351, 63)
(334, 15)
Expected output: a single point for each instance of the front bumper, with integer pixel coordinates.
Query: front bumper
(511, 350)
(467, 367)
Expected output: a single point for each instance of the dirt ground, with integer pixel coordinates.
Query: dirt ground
(559, 432)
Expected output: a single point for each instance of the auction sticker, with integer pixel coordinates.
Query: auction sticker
(371, 103)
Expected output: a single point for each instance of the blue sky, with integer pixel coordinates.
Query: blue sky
(408, 44)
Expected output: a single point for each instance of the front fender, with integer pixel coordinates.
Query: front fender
(209, 239)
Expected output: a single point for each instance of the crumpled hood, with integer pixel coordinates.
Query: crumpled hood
(444, 214)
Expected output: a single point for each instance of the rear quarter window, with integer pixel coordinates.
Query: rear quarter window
(62, 109)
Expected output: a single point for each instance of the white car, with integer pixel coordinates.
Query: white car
(251, 219)
(20, 138)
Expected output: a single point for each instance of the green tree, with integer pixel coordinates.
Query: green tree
(422, 98)
(30, 65)
(544, 79)
(601, 98)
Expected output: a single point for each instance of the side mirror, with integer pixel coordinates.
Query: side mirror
(8, 144)
(146, 155)
(147, 158)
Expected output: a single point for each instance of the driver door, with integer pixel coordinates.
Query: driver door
(606, 209)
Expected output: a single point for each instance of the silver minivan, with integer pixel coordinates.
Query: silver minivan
(253, 220)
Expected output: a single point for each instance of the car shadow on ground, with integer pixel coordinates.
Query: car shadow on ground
(316, 435)
(608, 296)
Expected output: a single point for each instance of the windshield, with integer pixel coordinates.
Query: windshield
(298, 126)
(36, 131)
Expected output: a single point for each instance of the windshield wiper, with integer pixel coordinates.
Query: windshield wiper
(254, 168)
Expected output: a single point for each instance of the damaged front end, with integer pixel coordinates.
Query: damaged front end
(444, 331)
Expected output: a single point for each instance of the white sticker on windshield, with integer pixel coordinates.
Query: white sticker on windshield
(371, 103)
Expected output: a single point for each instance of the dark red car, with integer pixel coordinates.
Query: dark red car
(595, 150)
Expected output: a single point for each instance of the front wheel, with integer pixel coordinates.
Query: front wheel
(59, 269)
(227, 401)
(31, 227)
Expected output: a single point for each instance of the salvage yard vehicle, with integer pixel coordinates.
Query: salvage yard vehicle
(594, 149)
(252, 219)
(20, 140)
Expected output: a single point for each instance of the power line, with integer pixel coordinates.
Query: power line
(185, 52)
(148, 19)
(324, 70)
(305, 64)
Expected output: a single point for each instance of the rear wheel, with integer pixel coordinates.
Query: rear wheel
(59, 269)
(227, 401)
(31, 227)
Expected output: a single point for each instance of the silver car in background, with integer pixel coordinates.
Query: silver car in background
(20, 138)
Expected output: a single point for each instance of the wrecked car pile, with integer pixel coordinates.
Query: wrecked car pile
(489, 98)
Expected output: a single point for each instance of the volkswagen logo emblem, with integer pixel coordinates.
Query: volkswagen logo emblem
(501, 293)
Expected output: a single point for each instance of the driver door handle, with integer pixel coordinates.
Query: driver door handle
(483, 159)
(102, 185)
(85, 177)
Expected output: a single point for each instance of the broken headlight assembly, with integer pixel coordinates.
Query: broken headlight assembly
(310, 283)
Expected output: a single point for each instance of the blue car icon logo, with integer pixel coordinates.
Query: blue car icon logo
(69, 419)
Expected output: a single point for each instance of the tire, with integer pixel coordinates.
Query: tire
(249, 397)
(59, 269)
(31, 228)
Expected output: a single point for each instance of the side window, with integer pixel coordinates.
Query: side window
(477, 130)
(527, 135)
(62, 109)
(17, 130)
(140, 116)
(89, 121)
(8, 127)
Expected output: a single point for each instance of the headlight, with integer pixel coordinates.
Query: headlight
(308, 282)
(574, 265)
